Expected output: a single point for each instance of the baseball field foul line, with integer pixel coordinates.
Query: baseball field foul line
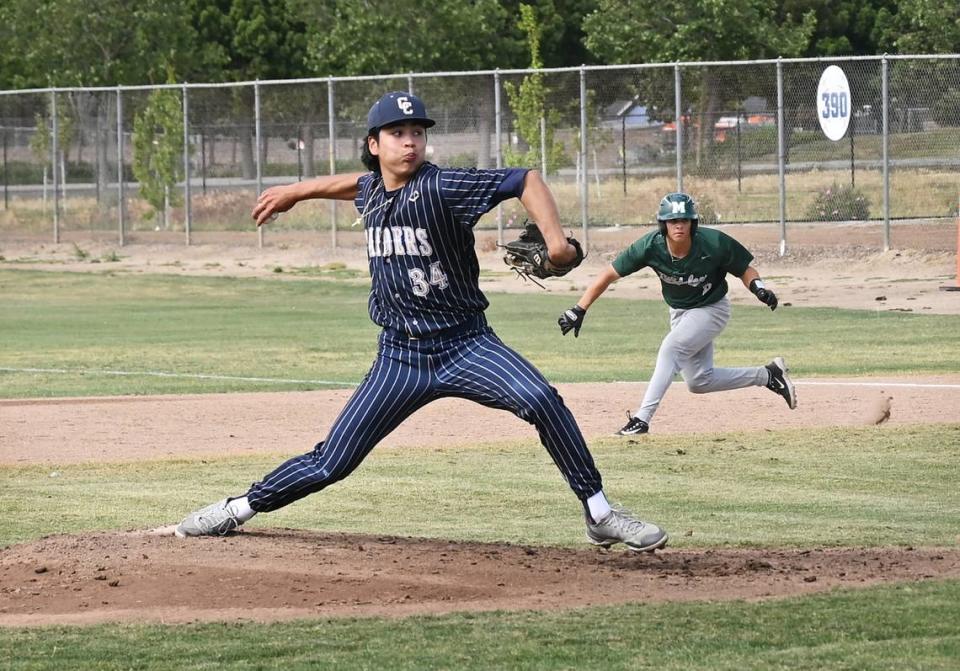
(915, 385)
(193, 376)
(278, 380)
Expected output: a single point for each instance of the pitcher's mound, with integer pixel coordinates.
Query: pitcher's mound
(274, 574)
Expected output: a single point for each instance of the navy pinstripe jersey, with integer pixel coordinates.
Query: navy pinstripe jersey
(420, 246)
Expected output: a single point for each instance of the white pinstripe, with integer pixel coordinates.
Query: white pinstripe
(435, 341)
(407, 375)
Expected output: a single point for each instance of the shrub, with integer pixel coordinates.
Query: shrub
(839, 203)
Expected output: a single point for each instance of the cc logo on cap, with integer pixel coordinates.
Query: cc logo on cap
(405, 105)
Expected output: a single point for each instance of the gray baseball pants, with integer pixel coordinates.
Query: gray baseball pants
(688, 349)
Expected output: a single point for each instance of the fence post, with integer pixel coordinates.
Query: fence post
(498, 129)
(332, 152)
(121, 224)
(6, 179)
(956, 283)
(781, 159)
(677, 104)
(543, 147)
(885, 93)
(257, 150)
(187, 219)
(55, 149)
(584, 190)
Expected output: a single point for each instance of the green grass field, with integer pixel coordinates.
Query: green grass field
(865, 486)
(165, 332)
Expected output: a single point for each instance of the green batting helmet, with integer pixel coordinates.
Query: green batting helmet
(677, 206)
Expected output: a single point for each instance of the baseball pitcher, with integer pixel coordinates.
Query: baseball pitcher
(435, 341)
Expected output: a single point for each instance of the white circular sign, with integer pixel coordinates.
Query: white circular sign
(833, 103)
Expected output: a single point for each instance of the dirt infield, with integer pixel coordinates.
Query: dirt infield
(153, 576)
(139, 428)
(150, 576)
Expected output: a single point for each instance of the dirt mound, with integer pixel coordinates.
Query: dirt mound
(276, 574)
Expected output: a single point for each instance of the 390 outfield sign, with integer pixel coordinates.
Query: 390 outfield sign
(833, 103)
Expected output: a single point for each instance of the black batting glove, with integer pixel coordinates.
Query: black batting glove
(572, 320)
(765, 296)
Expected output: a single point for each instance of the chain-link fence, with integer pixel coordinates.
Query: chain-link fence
(744, 138)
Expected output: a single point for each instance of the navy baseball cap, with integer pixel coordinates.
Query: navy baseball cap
(395, 107)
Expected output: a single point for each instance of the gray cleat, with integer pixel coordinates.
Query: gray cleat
(214, 520)
(619, 526)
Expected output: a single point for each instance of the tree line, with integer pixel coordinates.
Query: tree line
(65, 43)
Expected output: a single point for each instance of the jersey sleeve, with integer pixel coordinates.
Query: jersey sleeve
(633, 258)
(363, 190)
(471, 193)
(735, 258)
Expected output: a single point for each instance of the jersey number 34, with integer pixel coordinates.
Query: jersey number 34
(421, 284)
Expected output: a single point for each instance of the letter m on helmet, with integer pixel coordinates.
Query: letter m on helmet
(677, 206)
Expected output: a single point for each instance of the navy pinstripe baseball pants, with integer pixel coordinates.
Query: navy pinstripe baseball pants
(468, 362)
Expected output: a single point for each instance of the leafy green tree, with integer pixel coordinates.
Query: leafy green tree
(158, 149)
(528, 103)
(845, 27)
(924, 27)
(927, 27)
(103, 43)
(651, 31)
(245, 40)
(368, 37)
(248, 39)
(561, 30)
(42, 138)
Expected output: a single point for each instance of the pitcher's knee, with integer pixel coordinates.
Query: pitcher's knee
(537, 403)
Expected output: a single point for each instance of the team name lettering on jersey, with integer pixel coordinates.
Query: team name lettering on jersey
(398, 241)
(691, 281)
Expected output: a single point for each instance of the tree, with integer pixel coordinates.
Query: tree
(158, 148)
(527, 99)
(103, 43)
(650, 31)
(845, 27)
(368, 37)
(561, 30)
(927, 26)
(69, 43)
(41, 142)
(246, 40)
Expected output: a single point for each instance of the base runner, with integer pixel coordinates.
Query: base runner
(692, 264)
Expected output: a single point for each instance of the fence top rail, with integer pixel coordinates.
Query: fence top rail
(462, 73)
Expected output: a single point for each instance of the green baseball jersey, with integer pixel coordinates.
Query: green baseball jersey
(699, 278)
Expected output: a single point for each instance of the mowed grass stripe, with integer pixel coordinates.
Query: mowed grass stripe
(869, 486)
(318, 329)
(909, 626)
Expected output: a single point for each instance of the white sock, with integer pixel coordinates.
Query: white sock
(599, 506)
(240, 508)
